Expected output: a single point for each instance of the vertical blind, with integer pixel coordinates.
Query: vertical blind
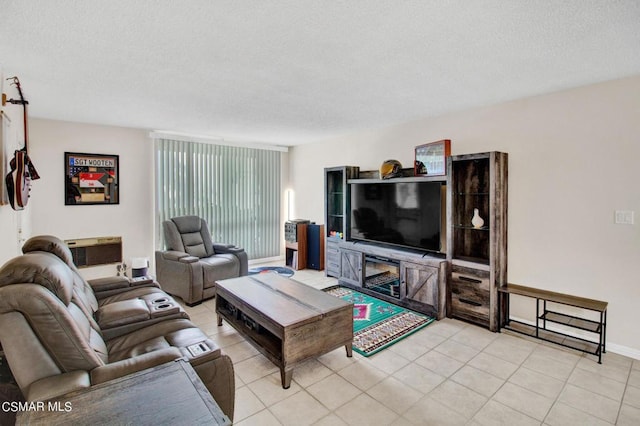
(235, 189)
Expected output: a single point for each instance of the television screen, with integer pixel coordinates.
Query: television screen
(408, 214)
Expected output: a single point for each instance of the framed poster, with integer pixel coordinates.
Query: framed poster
(90, 179)
(431, 158)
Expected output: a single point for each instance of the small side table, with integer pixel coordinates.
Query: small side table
(170, 393)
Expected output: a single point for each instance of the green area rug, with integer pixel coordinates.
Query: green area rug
(376, 323)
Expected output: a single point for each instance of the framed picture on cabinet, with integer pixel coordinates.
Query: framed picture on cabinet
(431, 158)
(91, 179)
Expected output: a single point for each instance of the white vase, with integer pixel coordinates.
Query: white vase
(476, 220)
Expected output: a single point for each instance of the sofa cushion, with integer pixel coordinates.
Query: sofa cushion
(40, 268)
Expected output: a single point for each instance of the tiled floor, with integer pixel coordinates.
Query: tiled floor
(449, 373)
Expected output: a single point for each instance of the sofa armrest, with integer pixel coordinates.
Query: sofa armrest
(60, 384)
(132, 365)
(109, 283)
(109, 286)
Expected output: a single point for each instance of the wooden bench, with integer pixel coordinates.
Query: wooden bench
(540, 330)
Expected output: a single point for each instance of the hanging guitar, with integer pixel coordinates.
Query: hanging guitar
(18, 180)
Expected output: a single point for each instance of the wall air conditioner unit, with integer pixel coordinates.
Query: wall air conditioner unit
(95, 251)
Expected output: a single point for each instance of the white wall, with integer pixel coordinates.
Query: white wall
(132, 219)
(573, 161)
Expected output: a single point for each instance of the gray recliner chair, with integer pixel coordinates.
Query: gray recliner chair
(192, 262)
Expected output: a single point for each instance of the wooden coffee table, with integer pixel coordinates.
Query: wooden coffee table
(287, 321)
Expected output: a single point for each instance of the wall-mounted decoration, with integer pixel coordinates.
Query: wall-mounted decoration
(91, 179)
(431, 158)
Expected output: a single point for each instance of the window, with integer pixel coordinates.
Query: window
(235, 189)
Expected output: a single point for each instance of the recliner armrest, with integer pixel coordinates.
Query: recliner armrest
(178, 256)
(57, 385)
(132, 365)
(226, 248)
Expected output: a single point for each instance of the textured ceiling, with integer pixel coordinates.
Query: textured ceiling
(291, 72)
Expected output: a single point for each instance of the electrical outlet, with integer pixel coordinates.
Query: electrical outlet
(624, 217)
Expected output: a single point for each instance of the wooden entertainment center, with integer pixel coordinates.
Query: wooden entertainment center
(459, 280)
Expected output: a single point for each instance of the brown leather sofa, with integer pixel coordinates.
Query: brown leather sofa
(192, 262)
(59, 335)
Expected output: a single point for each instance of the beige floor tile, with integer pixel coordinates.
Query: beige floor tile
(510, 348)
(476, 337)
(590, 403)
(493, 365)
(227, 338)
(447, 327)
(247, 404)
(401, 421)
(621, 361)
(563, 415)
(477, 380)
(614, 371)
(632, 396)
(494, 413)
(337, 359)
(546, 364)
(537, 382)
(240, 351)
(269, 389)
(299, 409)
(439, 363)
(419, 378)
(330, 420)
(634, 378)
(636, 364)
(262, 418)
(364, 410)
(253, 368)
(459, 398)
(415, 345)
(387, 361)
(394, 394)
(596, 383)
(457, 351)
(629, 416)
(310, 372)
(430, 412)
(362, 375)
(523, 400)
(333, 391)
(558, 353)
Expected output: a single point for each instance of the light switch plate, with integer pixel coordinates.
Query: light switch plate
(624, 217)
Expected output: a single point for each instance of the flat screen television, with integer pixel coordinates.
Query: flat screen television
(403, 214)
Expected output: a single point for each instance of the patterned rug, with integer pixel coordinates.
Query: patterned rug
(376, 323)
(280, 270)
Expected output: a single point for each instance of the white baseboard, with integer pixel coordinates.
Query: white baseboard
(611, 347)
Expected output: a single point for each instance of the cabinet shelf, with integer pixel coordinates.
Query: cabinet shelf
(471, 228)
(475, 194)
